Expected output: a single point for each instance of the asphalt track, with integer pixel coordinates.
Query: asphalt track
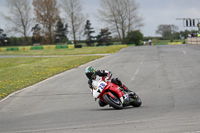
(167, 78)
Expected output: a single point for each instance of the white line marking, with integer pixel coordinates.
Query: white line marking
(184, 52)
(137, 71)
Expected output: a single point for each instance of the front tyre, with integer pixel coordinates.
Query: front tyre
(114, 102)
(137, 101)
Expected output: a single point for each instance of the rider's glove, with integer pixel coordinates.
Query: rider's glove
(119, 82)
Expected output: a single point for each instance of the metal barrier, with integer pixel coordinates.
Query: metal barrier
(37, 47)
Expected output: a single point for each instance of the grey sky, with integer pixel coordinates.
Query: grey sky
(154, 12)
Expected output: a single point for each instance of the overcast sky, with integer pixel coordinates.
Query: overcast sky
(153, 12)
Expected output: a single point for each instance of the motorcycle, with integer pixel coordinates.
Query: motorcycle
(113, 95)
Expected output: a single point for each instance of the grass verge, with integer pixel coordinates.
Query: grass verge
(20, 72)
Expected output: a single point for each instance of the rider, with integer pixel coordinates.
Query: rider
(106, 75)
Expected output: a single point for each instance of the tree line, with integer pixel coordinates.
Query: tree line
(42, 18)
(171, 32)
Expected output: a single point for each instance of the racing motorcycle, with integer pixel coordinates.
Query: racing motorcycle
(114, 96)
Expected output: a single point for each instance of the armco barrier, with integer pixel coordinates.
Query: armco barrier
(71, 46)
(23, 48)
(2, 49)
(61, 46)
(49, 47)
(78, 46)
(12, 49)
(36, 47)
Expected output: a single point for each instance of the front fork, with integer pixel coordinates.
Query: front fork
(127, 99)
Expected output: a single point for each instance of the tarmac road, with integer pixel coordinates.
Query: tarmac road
(167, 78)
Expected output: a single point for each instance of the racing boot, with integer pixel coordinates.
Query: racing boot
(130, 93)
(122, 86)
(119, 83)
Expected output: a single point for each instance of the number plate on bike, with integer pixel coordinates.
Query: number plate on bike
(101, 86)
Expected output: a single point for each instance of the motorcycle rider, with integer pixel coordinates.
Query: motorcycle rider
(106, 75)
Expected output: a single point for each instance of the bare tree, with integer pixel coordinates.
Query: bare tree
(121, 16)
(167, 30)
(19, 15)
(47, 13)
(74, 15)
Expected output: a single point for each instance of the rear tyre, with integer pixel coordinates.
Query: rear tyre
(114, 102)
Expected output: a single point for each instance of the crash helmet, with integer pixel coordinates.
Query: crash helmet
(90, 72)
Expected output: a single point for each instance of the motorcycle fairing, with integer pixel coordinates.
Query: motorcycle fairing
(111, 87)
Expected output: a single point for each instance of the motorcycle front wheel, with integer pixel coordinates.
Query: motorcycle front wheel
(114, 102)
(137, 101)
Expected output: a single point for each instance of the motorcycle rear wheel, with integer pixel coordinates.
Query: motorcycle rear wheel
(115, 103)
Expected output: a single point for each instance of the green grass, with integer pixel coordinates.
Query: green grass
(18, 73)
(74, 51)
(165, 42)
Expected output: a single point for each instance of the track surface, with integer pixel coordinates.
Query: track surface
(167, 78)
